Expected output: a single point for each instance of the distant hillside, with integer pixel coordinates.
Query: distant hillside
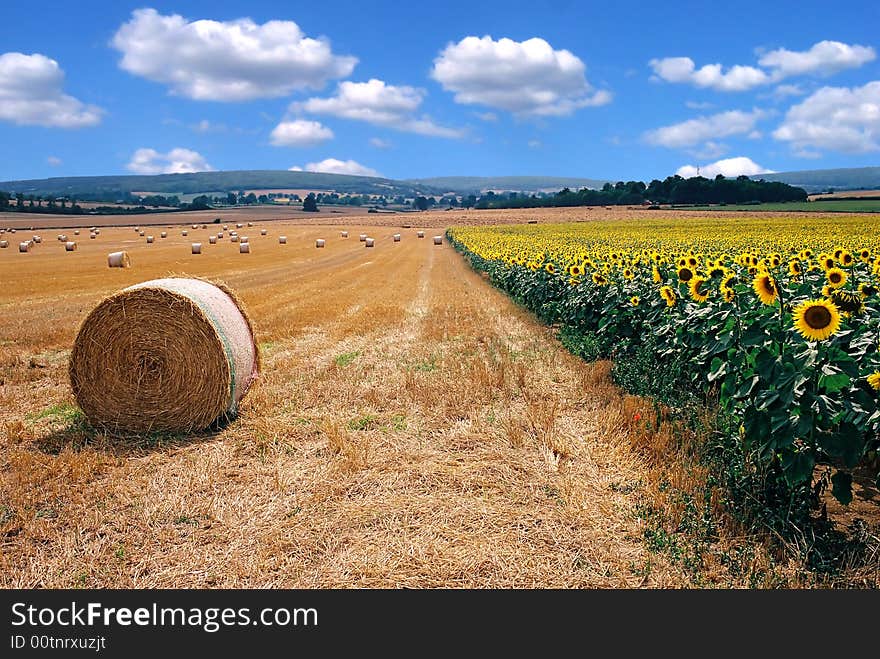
(85, 187)
(817, 180)
(469, 184)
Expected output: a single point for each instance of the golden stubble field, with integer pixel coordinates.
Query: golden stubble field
(411, 428)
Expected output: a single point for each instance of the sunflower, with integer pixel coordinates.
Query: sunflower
(668, 294)
(729, 294)
(845, 258)
(655, 275)
(867, 290)
(826, 262)
(550, 268)
(865, 255)
(717, 270)
(795, 268)
(634, 300)
(628, 274)
(816, 320)
(874, 380)
(836, 277)
(729, 281)
(575, 270)
(765, 287)
(599, 279)
(699, 290)
(847, 301)
(685, 274)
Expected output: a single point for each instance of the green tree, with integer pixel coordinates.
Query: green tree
(310, 205)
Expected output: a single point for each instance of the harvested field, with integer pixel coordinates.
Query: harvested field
(411, 428)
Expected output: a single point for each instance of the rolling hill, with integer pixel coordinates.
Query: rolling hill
(476, 184)
(817, 180)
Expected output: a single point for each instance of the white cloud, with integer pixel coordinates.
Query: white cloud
(234, 60)
(699, 105)
(682, 69)
(731, 167)
(824, 58)
(206, 126)
(335, 166)
(379, 143)
(784, 91)
(702, 129)
(31, 93)
(176, 161)
(710, 150)
(54, 161)
(525, 78)
(486, 116)
(300, 133)
(835, 119)
(380, 104)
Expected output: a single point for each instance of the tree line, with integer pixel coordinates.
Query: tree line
(672, 190)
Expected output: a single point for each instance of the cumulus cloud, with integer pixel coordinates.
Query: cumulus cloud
(54, 161)
(31, 93)
(176, 161)
(380, 104)
(730, 167)
(234, 60)
(335, 166)
(525, 78)
(835, 119)
(702, 129)
(683, 69)
(823, 58)
(300, 133)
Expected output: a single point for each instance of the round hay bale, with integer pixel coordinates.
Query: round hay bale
(319, 242)
(250, 224)
(438, 240)
(37, 239)
(396, 237)
(4, 244)
(243, 239)
(263, 232)
(197, 248)
(92, 236)
(233, 238)
(140, 233)
(204, 226)
(420, 234)
(282, 240)
(137, 228)
(195, 226)
(24, 247)
(344, 234)
(225, 227)
(70, 246)
(184, 233)
(118, 260)
(244, 248)
(369, 242)
(212, 240)
(173, 354)
(164, 234)
(76, 232)
(62, 238)
(219, 235)
(149, 240)
(362, 237)
(239, 225)
(97, 232)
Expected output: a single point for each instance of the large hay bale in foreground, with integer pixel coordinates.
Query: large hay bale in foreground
(173, 354)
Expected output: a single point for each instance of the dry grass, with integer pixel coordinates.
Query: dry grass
(412, 428)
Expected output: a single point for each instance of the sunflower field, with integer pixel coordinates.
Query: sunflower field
(777, 320)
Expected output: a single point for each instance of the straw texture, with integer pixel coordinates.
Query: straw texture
(174, 354)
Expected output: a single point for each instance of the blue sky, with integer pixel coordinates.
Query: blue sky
(634, 91)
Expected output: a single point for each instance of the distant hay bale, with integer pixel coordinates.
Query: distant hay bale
(233, 238)
(369, 242)
(70, 246)
(76, 232)
(263, 232)
(195, 226)
(118, 260)
(219, 235)
(24, 247)
(4, 244)
(140, 233)
(344, 234)
(92, 236)
(204, 226)
(137, 228)
(244, 248)
(225, 227)
(396, 237)
(97, 232)
(197, 248)
(172, 354)
(243, 239)
(362, 237)
(438, 240)
(149, 240)
(420, 234)
(164, 234)
(37, 239)
(62, 238)
(319, 242)
(239, 225)
(282, 240)
(184, 233)
(250, 224)
(212, 240)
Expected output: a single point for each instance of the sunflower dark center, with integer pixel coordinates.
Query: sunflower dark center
(817, 317)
